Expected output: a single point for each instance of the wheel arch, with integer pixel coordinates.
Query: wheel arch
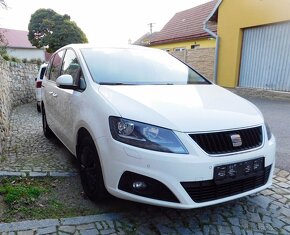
(82, 132)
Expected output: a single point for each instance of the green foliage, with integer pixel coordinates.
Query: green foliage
(16, 193)
(36, 61)
(50, 29)
(6, 57)
(14, 59)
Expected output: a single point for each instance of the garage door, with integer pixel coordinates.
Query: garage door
(265, 61)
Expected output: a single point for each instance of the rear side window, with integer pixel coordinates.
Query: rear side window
(56, 66)
(42, 73)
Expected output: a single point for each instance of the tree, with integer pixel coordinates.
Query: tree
(52, 30)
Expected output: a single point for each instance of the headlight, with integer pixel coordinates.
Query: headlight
(269, 133)
(145, 136)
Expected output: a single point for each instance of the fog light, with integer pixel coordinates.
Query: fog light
(139, 185)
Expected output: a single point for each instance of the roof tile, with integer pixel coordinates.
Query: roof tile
(16, 38)
(186, 25)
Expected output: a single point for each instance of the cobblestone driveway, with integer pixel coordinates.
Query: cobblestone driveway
(29, 153)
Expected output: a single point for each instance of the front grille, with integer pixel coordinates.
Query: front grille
(222, 143)
(204, 191)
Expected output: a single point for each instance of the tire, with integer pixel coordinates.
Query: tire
(46, 130)
(38, 107)
(91, 170)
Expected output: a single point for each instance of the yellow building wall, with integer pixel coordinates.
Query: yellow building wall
(233, 17)
(203, 42)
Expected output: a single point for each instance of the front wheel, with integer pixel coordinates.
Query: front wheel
(90, 170)
(46, 130)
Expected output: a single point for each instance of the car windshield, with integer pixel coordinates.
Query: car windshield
(138, 67)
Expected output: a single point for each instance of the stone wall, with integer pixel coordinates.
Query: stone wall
(16, 87)
(201, 59)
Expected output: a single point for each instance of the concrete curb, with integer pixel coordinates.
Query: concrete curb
(250, 92)
(37, 174)
(50, 225)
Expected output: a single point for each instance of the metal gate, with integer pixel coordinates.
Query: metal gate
(265, 61)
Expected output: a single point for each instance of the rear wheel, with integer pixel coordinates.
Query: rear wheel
(90, 170)
(46, 130)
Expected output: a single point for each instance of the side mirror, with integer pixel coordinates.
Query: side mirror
(65, 81)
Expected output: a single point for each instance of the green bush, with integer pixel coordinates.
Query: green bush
(6, 57)
(14, 59)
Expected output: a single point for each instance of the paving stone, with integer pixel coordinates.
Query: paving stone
(261, 200)
(267, 192)
(283, 185)
(90, 219)
(234, 221)
(47, 230)
(224, 229)
(89, 232)
(26, 225)
(85, 226)
(184, 231)
(106, 232)
(27, 232)
(283, 173)
(237, 230)
(277, 223)
(163, 229)
(67, 229)
(280, 179)
(37, 174)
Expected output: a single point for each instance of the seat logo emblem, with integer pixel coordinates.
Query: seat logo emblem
(236, 140)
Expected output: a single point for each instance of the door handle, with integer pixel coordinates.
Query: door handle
(54, 95)
(50, 92)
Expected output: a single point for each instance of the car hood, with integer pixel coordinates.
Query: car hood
(185, 108)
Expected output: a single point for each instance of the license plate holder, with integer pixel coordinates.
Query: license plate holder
(238, 171)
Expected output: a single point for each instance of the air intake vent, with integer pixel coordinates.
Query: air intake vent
(229, 141)
(204, 191)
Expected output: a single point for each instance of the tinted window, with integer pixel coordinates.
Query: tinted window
(71, 66)
(42, 72)
(134, 66)
(56, 66)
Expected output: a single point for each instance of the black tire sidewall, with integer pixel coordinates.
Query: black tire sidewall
(46, 130)
(99, 191)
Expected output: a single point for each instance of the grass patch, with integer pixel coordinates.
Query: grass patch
(19, 191)
(36, 198)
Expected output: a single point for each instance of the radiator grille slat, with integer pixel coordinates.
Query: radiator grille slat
(221, 142)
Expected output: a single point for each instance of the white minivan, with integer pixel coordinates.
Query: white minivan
(148, 128)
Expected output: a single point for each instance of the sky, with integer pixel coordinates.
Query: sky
(103, 22)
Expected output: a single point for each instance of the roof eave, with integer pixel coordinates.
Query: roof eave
(214, 11)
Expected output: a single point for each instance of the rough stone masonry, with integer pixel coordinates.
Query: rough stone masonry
(16, 87)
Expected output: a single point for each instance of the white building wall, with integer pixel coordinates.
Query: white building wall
(27, 53)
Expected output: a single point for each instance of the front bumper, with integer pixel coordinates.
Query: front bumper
(176, 171)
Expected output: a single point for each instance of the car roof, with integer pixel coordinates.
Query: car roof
(108, 46)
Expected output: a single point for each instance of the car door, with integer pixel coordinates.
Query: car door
(69, 99)
(50, 91)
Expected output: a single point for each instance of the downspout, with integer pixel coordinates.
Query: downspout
(206, 29)
(216, 50)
